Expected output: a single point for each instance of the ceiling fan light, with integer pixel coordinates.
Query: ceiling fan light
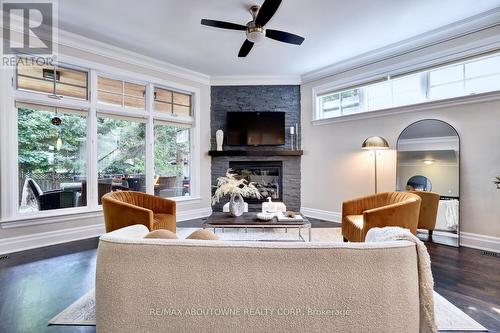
(255, 34)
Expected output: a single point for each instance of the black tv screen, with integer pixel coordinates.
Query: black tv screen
(255, 128)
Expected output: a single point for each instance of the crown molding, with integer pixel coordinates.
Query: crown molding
(253, 80)
(488, 19)
(85, 44)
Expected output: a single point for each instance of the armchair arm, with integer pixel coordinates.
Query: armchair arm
(359, 205)
(161, 205)
(119, 214)
(402, 214)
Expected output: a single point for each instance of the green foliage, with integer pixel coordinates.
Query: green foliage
(37, 139)
(121, 145)
(169, 151)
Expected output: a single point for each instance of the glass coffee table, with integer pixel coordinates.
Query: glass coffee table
(250, 220)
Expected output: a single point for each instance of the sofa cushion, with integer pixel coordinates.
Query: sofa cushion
(203, 234)
(161, 233)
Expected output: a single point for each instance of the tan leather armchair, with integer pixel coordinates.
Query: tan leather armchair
(428, 210)
(397, 209)
(125, 208)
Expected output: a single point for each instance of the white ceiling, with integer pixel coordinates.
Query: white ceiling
(335, 30)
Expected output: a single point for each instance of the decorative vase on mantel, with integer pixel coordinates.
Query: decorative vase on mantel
(236, 205)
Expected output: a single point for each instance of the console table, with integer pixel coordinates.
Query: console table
(250, 220)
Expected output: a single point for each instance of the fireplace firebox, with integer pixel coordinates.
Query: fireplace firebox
(266, 175)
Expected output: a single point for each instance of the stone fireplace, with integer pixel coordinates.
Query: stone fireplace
(266, 175)
(276, 169)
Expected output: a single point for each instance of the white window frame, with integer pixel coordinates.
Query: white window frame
(9, 207)
(361, 83)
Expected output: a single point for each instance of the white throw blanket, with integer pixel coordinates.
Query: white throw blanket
(426, 282)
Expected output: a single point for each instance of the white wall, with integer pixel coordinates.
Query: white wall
(334, 168)
(55, 230)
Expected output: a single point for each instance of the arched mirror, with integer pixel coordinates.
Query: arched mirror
(429, 165)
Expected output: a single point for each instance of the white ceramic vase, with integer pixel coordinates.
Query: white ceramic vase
(219, 139)
(236, 205)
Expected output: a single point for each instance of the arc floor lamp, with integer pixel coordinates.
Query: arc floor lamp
(375, 143)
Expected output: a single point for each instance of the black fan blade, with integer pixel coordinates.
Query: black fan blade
(285, 37)
(223, 25)
(266, 11)
(245, 48)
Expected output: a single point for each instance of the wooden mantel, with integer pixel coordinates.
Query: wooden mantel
(249, 152)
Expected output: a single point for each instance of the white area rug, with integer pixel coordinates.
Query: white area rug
(448, 317)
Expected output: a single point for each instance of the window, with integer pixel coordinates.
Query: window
(121, 93)
(57, 80)
(171, 160)
(474, 76)
(340, 103)
(51, 158)
(175, 103)
(69, 152)
(379, 96)
(121, 154)
(446, 82)
(407, 90)
(483, 75)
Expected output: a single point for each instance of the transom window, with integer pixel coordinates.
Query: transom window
(121, 93)
(470, 77)
(173, 102)
(57, 81)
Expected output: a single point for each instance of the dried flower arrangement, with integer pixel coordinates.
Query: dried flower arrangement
(229, 184)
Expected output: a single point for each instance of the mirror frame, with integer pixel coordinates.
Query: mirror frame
(459, 171)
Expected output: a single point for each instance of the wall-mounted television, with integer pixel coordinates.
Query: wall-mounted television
(255, 128)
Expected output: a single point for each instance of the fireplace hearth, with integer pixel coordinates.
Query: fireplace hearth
(266, 175)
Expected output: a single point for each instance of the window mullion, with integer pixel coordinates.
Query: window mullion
(149, 140)
(92, 167)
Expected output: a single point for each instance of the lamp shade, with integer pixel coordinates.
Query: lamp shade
(375, 143)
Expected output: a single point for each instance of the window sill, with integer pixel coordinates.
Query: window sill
(181, 201)
(71, 214)
(463, 100)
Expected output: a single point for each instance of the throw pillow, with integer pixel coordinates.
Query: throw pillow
(162, 234)
(203, 234)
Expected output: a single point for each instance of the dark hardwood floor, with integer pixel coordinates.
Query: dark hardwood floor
(35, 285)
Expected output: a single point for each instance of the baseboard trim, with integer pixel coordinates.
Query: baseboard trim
(32, 241)
(480, 242)
(22, 243)
(467, 239)
(322, 214)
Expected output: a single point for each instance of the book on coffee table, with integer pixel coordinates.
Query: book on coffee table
(283, 218)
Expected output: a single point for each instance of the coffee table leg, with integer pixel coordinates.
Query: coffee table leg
(310, 234)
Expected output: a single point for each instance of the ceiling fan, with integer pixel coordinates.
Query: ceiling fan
(255, 30)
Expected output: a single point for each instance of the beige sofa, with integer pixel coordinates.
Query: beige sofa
(157, 285)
